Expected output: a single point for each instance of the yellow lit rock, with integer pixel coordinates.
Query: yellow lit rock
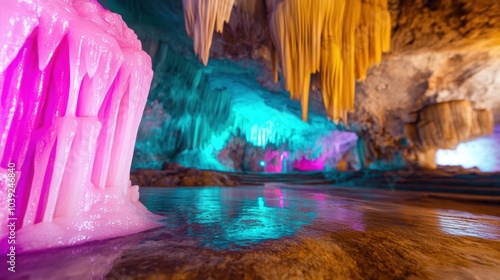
(444, 126)
(340, 40)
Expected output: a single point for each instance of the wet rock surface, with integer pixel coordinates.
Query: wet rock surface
(174, 175)
(289, 232)
(455, 181)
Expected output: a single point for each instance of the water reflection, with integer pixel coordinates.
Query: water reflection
(230, 218)
(86, 261)
(339, 212)
(467, 224)
(224, 217)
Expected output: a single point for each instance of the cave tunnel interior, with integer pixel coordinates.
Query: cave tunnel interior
(249, 139)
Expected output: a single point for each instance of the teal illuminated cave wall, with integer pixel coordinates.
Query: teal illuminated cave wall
(182, 113)
(254, 118)
(219, 117)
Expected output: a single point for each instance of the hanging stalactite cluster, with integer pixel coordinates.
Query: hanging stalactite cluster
(175, 122)
(201, 18)
(337, 39)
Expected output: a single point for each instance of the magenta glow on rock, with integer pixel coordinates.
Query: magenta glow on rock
(74, 83)
(274, 161)
(304, 164)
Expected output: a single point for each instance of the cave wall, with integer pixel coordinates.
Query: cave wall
(219, 117)
(222, 116)
(444, 25)
(403, 84)
(440, 51)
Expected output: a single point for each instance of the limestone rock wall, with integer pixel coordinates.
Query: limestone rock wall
(441, 50)
(404, 84)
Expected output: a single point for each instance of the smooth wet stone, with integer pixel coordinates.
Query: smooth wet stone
(285, 232)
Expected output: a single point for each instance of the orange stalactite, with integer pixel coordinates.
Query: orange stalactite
(202, 17)
(338, 39)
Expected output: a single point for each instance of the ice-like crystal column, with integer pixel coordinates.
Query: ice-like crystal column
(73, 83)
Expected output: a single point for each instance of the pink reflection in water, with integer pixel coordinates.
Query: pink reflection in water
(338, 212)
(274, 197)
(319, 196)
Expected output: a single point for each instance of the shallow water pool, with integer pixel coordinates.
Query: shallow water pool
(285, 232)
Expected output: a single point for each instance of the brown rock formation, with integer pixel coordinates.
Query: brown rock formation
(444, 126)
(441, 51)
(444, 25)
(174, 175)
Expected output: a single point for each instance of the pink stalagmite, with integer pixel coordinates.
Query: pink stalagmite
(74, 83)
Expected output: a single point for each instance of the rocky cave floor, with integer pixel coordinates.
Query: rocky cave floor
(295, 231)
(447, 180)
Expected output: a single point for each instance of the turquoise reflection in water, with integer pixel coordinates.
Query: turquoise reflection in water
(222, 217)
(208, 206)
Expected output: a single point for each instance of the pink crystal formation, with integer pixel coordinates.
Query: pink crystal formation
(74, 83)
(274, 161)
(305, 164)
(333, 146)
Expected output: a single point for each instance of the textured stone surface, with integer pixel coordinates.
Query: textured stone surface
(444, 25)
(404, 84)
(289, 233)
(175, 175)
(442, 50)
